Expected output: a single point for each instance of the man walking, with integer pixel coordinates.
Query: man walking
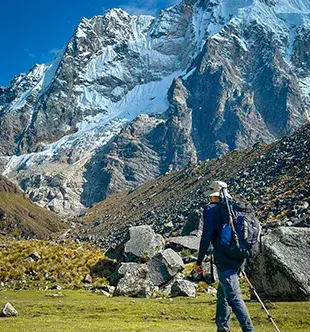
(229, 292)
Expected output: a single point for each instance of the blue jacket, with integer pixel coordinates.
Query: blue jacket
(212, 226)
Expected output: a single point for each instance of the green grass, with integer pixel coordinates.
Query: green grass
(83, 311)
(65, 264)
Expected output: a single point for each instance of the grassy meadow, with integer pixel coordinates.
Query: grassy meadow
(79, 310)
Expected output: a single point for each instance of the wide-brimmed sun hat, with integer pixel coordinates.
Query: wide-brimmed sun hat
(216, 187)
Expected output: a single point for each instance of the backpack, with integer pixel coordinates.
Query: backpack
(240, 244)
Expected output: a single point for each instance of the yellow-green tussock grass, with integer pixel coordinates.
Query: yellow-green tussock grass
(65, 264)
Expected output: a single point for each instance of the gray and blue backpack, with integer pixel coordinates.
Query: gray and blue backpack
(243, 240)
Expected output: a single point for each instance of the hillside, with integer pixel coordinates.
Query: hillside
(21, 218)
(206, 77)
(274, 178)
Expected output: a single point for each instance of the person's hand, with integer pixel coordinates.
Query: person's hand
(199, 269)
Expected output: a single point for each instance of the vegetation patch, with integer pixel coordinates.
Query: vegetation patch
(84, 311)
(67, 265)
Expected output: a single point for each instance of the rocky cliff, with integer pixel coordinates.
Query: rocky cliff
(209, 76)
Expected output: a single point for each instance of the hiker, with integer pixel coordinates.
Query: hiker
(228, 268)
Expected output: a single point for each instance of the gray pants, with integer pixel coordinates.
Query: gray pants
(229, 296)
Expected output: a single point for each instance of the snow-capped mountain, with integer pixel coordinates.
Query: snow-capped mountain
(210, 76)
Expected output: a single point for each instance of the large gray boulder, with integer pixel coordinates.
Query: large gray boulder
(143, 243)
(183, 288)
(135, 283)
(164, 266)
(281, 271)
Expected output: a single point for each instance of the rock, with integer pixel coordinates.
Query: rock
(88, 279)
(143, 243)
(183, 288)
(179, 243)
(35, 256)
(59, 294)
(128, 268)
(166, 289)
(194, 222)
(122, 270)
(29, 260)
(211, 291)
(8, 310)
(164, 266)
(101, 292)
(107, 288)
(281, 271)
(56, 287)
(135, 284)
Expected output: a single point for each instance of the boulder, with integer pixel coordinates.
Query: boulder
(164, 266)
(183, 288)
(8, 310)
(179, 243)
(143, 243)
(129, 268)
(135, 284)
(122, 269)
(166, 288)
(281, 271)
(193, 223)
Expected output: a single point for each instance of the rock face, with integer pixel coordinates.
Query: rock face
(210, 78)
(143, 243)
(164, 266)
(281, 272)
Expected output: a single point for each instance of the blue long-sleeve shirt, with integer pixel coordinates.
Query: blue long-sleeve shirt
(210, 216)
(212, 226)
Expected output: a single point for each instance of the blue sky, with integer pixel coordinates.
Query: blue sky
(32, 31)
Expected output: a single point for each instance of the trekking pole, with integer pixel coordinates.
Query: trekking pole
(259, 299)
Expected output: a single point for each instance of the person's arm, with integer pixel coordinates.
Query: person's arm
(207, 234)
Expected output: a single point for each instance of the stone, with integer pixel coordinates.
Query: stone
(56, 287)
(179, 243)
(135, 284)
(164, 266)
(59, 294)
(281, 271)
(8, 310)
(122, 269)
(88, 279)
(166, 288)
(128, 268)
(35, 256)
(183, 288)
(29, 260)
(101, 292)
(211, 291)
(143, 243)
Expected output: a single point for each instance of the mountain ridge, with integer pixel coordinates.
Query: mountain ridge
(242, 73)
